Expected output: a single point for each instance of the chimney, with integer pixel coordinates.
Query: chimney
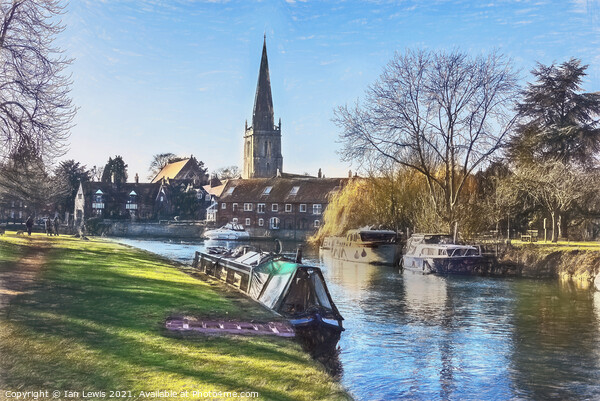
(278, 173)
(137, 178)
(319, 174)
(349, 173)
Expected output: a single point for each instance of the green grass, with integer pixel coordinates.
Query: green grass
(560, 245)
(93, 320)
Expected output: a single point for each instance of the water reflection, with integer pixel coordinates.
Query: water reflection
(556, 333)
(410, 336)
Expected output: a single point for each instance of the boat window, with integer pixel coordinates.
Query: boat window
(442, 252)
(380, 237)
(428, 251)
(472, 252)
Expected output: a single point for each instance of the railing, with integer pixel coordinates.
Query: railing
(233, 273)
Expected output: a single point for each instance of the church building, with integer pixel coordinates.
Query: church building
(268, 202)
(262, 140)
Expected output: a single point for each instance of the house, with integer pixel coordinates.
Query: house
(278, 207)
(119, 201)
(214, 190)
(186, 170)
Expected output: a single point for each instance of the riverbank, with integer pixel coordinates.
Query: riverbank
(89, 316)
(576, 262)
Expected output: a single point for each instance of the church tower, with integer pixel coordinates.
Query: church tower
(262, 141)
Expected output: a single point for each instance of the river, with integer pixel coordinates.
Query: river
(417, 337)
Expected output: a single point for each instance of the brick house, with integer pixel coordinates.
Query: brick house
(278, 207)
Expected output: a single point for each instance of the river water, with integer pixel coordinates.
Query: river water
(417, 337)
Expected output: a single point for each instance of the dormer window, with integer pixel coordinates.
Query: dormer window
(294, 190)
(132, 201)
(98, 202)
(267, 190)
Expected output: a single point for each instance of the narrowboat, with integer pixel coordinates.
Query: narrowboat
(291, 289)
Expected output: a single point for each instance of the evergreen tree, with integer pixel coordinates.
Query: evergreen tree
(557, 121)
(117, 167)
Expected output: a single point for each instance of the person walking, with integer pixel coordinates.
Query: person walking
(48, 225)
(29, 225)
(56, 224)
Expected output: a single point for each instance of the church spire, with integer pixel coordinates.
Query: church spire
(262, 118)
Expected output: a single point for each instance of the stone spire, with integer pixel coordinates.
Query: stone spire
(262, 119)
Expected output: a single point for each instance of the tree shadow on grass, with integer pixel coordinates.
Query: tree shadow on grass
(116, 315)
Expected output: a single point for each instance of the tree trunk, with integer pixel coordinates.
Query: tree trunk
(553, 215)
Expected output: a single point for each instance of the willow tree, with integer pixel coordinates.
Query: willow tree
(443, 114)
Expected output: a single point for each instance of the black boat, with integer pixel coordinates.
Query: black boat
(290, 288)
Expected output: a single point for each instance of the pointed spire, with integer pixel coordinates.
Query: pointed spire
(262, 118)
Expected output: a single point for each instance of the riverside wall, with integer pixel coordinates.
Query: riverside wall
(154, 230)
(580, 266)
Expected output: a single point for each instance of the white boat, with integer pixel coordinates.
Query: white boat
(436, 253)
(230, 231)
(364, 245)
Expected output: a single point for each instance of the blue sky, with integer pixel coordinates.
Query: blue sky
(154, 76)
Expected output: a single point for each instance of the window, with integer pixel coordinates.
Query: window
(274, 223)
(274, 207)
(230, 190)
(247, 207)
(288, 207)
(317, 223)
(260, 208)
(317, 209)
(247, 222)
(261, 222)
(98, 202)
(132, 201)
(294, 190)
(223, 205)
(234, 207)
(234, 220)
(302, 208)
(267, 190)
(207, 198)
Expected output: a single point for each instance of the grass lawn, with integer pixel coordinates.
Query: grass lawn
(93, 317)
(561, 245)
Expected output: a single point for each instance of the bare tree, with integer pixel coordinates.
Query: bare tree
(227, 173)
(553, 185)
(36, 112)
(159, 161)
(441, 114)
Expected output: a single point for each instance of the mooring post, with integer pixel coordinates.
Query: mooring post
(195, 262)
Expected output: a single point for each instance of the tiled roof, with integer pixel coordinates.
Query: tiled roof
(170, 171)
(120, 192)
(310, 190)
(216, 190)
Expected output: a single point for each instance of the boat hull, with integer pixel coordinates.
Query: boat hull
(458, 265)
(375, 254)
